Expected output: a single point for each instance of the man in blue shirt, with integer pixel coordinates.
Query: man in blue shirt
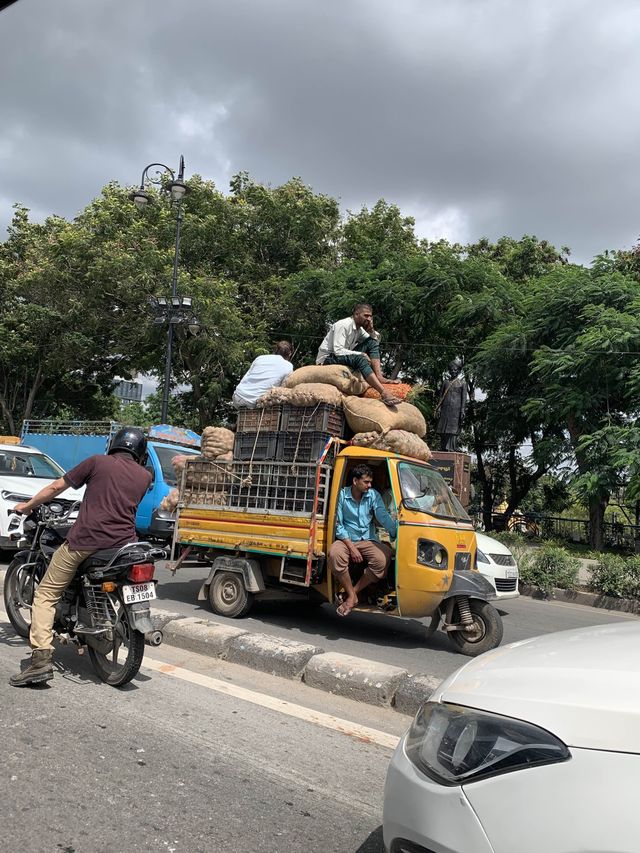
(356, 539)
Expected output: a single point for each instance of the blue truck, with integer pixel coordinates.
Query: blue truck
(69, 442)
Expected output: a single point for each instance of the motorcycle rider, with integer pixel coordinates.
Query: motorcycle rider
(115, 485)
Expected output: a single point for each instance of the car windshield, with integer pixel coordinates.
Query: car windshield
(22, 463)
(166, 456)
(424, 490)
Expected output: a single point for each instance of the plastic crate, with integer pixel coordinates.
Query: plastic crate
(259, 420)
(303, 446)
(320, 418)
(258, 446)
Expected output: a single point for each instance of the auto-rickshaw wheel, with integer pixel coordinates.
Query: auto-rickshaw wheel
(228, 595)
(486, 633)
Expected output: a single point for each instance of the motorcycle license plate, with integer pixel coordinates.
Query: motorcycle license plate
(511, 573)
(138, 592)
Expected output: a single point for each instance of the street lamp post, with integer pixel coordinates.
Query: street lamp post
(177, 309)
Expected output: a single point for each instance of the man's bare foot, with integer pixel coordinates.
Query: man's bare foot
(390, 400)
(346, 607)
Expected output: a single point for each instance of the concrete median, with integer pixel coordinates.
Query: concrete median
(345, 675)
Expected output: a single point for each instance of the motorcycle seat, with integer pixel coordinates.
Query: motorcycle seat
(99, 559)
(102, 558)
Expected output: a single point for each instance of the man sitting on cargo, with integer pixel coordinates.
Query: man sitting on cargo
(356, 540)
(356, 344)
(265, 372)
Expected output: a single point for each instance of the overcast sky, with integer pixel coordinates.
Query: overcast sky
(478, 117)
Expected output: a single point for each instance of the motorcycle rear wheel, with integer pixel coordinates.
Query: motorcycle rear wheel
(19, 589)
(117, 660)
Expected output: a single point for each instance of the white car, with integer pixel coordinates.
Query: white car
(496, 562)
(23, 472)
(530, 748)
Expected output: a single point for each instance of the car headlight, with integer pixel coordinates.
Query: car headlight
(482, 557)
(432, 554)
(14, 498)
(454, 745)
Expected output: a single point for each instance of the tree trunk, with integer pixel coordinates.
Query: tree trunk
(7, 415)
(597, 506)
(35, 387)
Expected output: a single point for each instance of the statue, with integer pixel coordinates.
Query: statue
(453, 399)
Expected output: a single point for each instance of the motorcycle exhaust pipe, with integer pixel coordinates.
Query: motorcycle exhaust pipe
(153, 638)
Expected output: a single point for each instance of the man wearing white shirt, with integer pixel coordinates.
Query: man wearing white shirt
(354, 343)
(266, 372)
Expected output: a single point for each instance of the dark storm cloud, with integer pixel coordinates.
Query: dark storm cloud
(481, 117)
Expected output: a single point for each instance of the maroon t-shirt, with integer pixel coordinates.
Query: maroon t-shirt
(115, 486)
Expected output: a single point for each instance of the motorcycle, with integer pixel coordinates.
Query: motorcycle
(105, 609)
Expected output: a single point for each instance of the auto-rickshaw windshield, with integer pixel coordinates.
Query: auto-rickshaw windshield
(424, 490)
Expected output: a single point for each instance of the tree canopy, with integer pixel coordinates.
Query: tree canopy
(551, 349)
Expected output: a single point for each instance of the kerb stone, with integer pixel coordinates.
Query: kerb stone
(207, 638)
(160, 618)
(356, 678)
(274, 655)
(412, 691)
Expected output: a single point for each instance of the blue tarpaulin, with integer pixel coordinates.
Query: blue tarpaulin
(174, 435)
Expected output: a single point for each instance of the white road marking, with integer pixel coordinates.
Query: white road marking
(300, 712)
(317, 718)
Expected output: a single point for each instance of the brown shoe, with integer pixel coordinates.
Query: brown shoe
(39, 670)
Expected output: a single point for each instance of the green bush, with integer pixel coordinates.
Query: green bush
(616, 576)
(549, 566)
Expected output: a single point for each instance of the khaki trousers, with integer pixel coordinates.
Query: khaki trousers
(376, 557)
(57, 578)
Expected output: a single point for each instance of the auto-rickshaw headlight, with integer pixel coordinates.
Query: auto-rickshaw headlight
(432, 554)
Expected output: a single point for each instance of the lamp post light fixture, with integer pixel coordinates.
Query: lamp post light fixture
(177, 309)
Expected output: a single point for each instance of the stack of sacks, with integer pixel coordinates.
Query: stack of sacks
(337, 375)
(169, 503)
(401, 391)
(399, 429)
(395, 441)
(217, 443)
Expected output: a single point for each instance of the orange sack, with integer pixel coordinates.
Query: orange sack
(400, 391)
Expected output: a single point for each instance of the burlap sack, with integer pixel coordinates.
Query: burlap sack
(218, 436)
(216, 441)
(312, 393)
(331, 374)
(365, 415)
(169, 503)
(395, 441)
(213, 453)
(274, 396)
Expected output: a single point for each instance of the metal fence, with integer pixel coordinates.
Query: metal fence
(616, 534)
(53, 427)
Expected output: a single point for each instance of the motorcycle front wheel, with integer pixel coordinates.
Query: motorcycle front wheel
(19, 588)
(117, 658)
